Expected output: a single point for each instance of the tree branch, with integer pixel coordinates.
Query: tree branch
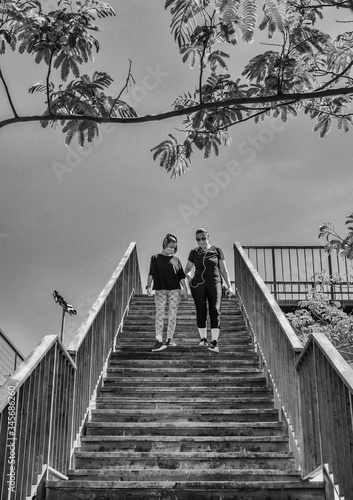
(337, 77)
(238, 101)
(8, 95)
(128, 78)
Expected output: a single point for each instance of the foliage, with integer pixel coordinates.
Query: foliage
(305, 70)
(343, 246)
(317, 310)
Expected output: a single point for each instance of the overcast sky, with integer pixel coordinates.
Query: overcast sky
(68, 214)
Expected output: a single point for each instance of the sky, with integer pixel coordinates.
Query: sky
(68, 214)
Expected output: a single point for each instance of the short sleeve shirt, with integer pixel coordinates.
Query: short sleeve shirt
(206, 265)
(167, 272)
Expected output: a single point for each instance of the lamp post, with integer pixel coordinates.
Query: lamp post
(67, 308)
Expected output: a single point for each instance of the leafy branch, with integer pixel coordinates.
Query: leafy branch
(287, 79)
(334, 242)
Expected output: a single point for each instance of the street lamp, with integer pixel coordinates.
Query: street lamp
(67, 308)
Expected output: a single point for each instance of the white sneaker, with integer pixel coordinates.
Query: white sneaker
(213, 346)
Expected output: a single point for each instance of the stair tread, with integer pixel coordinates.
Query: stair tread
(187, 454)
(177, 454)
(184, 484)
(205, 411)
(203, 425)
(200, 439)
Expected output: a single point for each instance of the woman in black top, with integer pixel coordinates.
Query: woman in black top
(167, 275)
(209, 267)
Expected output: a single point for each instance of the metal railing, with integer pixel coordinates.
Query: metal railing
(44, 404)
(10, 358)
(313, 385)
(288, 271)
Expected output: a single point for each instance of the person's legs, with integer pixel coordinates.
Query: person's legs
(160, 299)
(214, 297)
(174, 299)
(199, 295)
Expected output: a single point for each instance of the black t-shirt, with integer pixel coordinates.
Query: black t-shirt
(167, 272)
(206, 265)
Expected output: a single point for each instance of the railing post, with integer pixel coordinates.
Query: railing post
(332, 286)
(274, 274)
(51, 416)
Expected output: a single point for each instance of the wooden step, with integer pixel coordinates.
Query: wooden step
(183, 490)
(259, 402)
(265, 475)
(176, 428)
(183, 415)
(178, 444)
(184, 423)
(192, 460)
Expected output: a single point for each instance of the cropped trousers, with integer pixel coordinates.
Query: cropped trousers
(204, 294)
(161, 297)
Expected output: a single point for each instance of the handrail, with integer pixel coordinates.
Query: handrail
(273, 336)
(36, 406)
(10, 357)
(95, 338)
(45, 402)
(326, 404)
(315, 389)
(289, 270)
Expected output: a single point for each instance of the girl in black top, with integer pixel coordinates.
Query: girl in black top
(167, 275)
(209, 267)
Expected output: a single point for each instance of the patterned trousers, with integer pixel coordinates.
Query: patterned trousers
(161, 297)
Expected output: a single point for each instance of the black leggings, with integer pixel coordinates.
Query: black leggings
(211, 294)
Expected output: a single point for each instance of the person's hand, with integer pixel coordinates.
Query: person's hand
(184, 293)
(149, 291)
(229, 292)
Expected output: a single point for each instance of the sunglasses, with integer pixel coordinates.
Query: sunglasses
(201, 239)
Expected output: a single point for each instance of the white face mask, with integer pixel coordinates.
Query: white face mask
(169, 251)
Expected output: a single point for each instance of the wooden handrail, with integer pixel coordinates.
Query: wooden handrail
(320, 411)
(326, 405)
(97, 306)
(274, 338)
(45, 402)
(30, 401)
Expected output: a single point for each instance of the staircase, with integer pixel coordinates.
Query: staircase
(185, 422)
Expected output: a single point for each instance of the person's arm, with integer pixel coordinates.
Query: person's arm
(184, 288)
(188, 268)
(149, 285)
(150, 276)
(225, 275)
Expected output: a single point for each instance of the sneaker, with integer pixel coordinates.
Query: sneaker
(159, 346)
(203, 342)
(170, 343)
(214, 346)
